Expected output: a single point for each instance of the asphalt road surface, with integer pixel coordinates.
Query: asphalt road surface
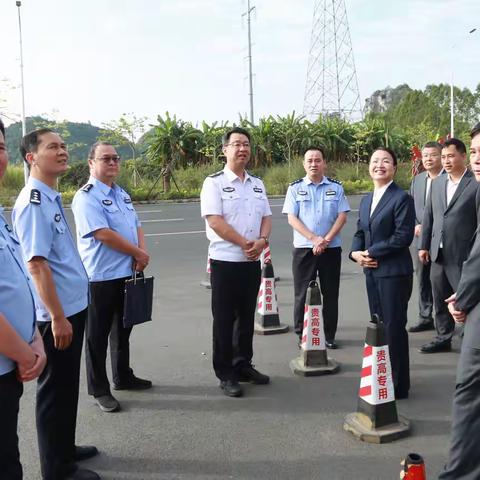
(185, 428)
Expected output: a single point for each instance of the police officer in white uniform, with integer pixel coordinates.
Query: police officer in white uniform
(22, 357)
(111, 244)
(61, 284)
(238, 222)
(317, 211)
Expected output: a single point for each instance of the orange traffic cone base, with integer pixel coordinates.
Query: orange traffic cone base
(361, 427)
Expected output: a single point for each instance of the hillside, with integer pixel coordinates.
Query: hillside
(78, 136)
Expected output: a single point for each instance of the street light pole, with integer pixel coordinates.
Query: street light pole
(452, 98)
(24, 123)
(250, 73)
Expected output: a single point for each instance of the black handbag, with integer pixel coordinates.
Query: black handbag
(137, 307)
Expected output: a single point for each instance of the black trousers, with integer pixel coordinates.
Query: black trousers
(57, 400)
(444, 277)
(105, 318)
(388, 297)
(463, 459)
(235, 288)
(425, 296)
(305, 267)
(10, 392)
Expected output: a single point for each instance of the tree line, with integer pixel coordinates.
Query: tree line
(404, 119)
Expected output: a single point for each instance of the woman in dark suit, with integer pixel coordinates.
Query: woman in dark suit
(381, 246)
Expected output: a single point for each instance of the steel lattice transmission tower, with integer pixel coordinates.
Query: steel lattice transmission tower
(332, 86)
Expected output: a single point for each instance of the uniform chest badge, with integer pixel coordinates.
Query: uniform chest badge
(57, 217)
(302, 192)
(107, 202)
(8, 228)
(330, 193)
(257, 190)
(127, 200)
(228, 189)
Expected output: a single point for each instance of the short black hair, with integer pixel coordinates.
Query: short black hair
(458, 144)
(317, 148)
(226, 136)
(390, 152)
(2, 128)
(433, 145)
(93, 148)
(31, 140)
(475, 130)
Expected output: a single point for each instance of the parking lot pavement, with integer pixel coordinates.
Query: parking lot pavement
(184, 428)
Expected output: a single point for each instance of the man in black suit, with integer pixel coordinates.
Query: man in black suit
(449, 223)
(465, 307)
(419, 189)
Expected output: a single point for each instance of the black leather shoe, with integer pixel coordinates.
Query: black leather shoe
(248, 374)
(422, 326)
(435, 347)
(133, 383)
(331, 344)
(83, 474)
(82, 452)
(231, 388)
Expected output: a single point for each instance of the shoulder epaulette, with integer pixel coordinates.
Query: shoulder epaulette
(216, 174)
(338, 182)
(87, 187)
(254, 176)
(296, 181)
(35, 196)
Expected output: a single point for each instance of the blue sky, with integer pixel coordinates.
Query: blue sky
(93, 60)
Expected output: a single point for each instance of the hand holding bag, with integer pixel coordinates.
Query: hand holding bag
(137, 307)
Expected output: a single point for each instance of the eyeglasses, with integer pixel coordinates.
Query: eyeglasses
(430, 155)
(239, 144)
(106, 160)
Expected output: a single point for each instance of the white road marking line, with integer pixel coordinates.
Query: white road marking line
(163, 220)
(149, 211)
(173, 233)
(279, 205)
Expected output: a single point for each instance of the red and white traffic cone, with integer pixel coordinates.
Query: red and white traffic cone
(265, 257)
(376, 419)
(413, 467)
(313, 359)
(206, 283)
(267, 306)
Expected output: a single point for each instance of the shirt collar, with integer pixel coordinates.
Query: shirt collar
(43, 187)
(441, 172)
(325, 181)
(379, 191)
(231, 177)
(103, 187)
(456, 183)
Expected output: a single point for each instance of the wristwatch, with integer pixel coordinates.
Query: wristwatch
(265, 238)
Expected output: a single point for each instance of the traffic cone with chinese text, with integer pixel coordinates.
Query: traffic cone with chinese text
(267, 307)
(413, 467)
(313, 359)
(376, 419)
(206, 283)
